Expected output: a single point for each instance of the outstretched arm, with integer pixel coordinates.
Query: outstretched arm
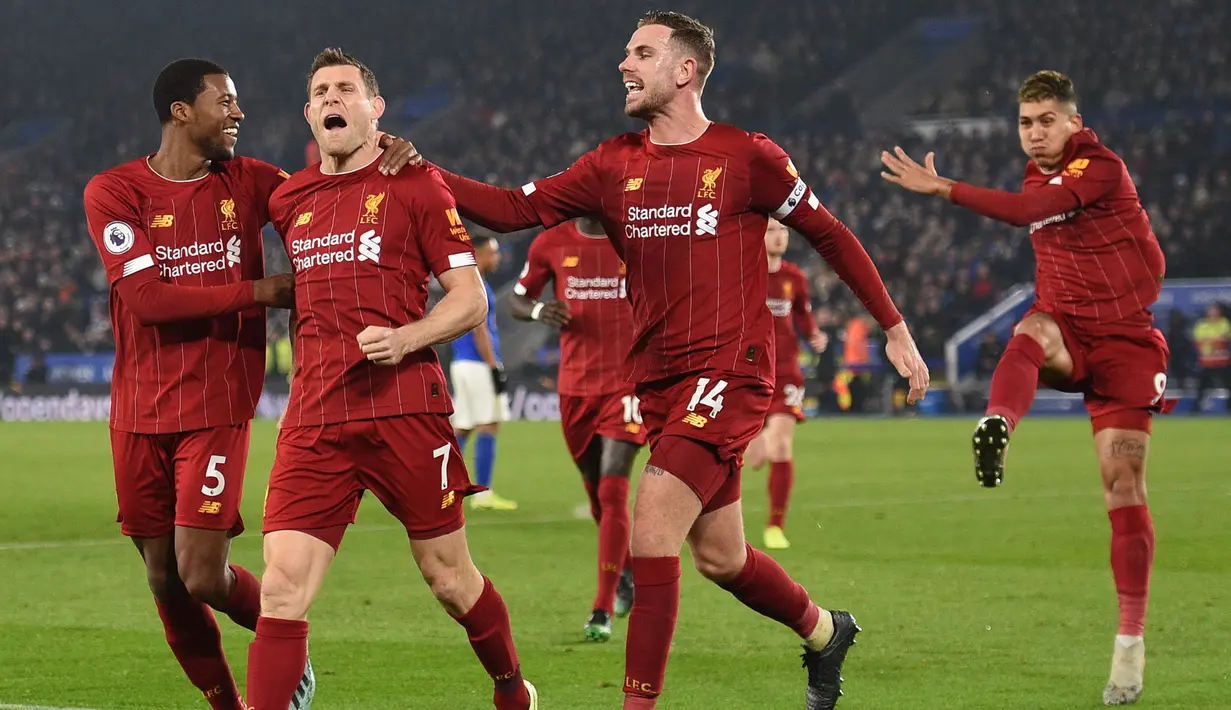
(496, 208)
(779, 190)
(153, 301)
(1015, 208)
(572, 193)
(127, 253)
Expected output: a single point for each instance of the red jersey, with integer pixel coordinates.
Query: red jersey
(190, 374)
(790, 303)
(590, 277)
(689, 222)
(362, 246)
(1101, 261)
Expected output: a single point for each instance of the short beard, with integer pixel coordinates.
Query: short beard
(215, 152)
(650, 107)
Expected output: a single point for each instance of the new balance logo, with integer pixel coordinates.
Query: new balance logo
(233, 251)
(694, 419)
(707, 220)
(369, 246)
(210, 507)
(447, 500)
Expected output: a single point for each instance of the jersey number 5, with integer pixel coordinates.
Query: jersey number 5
(708, 396)
(213, 474)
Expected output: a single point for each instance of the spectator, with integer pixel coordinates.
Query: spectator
(1212, 337)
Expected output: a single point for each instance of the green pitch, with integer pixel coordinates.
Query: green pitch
(969, 598)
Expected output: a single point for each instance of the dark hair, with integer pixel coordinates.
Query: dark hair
(181, 80)
(695, 37)
(335, 57)
(1045, 85)
(479, 241)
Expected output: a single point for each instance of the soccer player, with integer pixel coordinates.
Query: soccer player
(1098, 269)
(599, 410)
(685, 203)
(179, 233)
(479, 399)
(369, 409)
(791, 305)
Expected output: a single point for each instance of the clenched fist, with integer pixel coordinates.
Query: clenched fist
(384, 346)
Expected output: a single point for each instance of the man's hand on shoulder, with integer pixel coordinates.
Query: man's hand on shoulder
(905, 172)
(277, 291)
(399, 153)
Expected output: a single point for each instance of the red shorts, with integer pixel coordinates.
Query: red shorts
(722, 412)
(1122, 372)
(788, 398)
(614, 416)
(194, 479)
(410, 463)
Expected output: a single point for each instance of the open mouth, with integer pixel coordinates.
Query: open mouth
(231, 132)
(334, 122)
(633, 88)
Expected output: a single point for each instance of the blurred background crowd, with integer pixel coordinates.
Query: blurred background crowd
(507, 92)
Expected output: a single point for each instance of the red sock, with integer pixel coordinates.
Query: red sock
(781, 478)
(1016, 379)
(595, 505)
(487, 627)
(192, 633)
(275, 662)
(612, 539)
(650, 628)
(1132, 555)
(763, 586)
(244, 602)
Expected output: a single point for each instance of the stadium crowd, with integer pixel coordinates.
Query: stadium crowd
(530, 93)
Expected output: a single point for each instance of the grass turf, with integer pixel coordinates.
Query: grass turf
(969, 598)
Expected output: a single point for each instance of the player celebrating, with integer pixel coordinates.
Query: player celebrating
(479, 398)
(599, 410)
(681, 202)
(1099, 267)
(369, 409)
(179, 233)
(791, 305)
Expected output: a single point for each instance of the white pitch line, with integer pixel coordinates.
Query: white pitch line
(10, 706)
(980, 497)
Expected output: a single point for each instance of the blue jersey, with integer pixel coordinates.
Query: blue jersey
(464, 347)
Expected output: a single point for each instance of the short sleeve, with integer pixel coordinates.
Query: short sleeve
(776, 187)
(438, 227)
(115, 226)
(1092, 177)
(575, 192)
(537, 272)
